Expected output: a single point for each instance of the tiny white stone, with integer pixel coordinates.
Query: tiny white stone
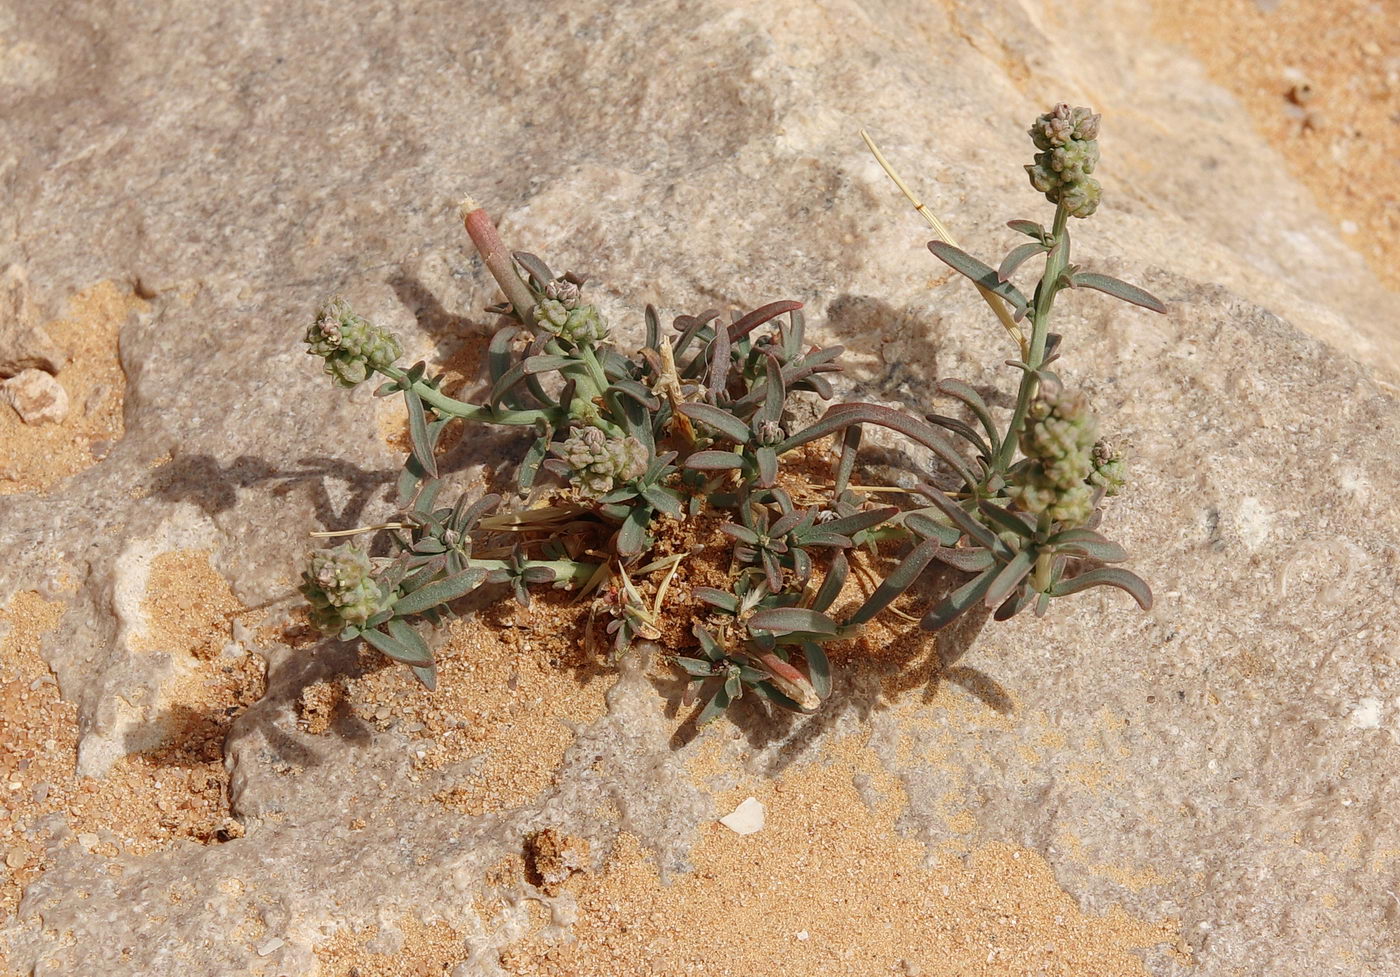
(1367, 714)
(746, 818)
(803, 935)
(271, 946)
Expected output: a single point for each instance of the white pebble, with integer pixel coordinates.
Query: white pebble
(746, 818)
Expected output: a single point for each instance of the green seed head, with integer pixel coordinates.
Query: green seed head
(351, 345)
(1058, 442)
(579, 325)
(563, 291)
(339, 584)
(1109, 472)
(599, 464)
(1068, 142)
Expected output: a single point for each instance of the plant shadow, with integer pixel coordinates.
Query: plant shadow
(869, 675)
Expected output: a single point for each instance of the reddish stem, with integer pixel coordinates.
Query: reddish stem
(498, 261)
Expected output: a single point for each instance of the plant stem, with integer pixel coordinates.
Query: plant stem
(993, 301)
(1055, 263)
(564, 570)
(473, 412)
(498, 260)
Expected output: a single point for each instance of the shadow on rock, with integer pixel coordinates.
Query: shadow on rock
(869, 675)
(446, 329)
(214, 488)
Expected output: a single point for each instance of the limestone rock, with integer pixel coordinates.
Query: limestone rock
(23, 343)
(36, 396)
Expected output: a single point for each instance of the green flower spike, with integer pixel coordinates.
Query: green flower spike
(1058, 442)
(351, 345)
(579, 324)
(1069, 150)
(341, 588)
(598, 464)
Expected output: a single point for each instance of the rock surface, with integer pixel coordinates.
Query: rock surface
(1234, 749)
(23, 344)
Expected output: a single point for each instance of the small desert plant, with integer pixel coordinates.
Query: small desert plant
(695, 425)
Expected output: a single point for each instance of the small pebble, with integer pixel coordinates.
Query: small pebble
(746, 818)
(271, 946)
(88, 840)
(16, 859)
(36, 396)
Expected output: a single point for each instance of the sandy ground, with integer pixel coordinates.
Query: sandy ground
(1322, 83)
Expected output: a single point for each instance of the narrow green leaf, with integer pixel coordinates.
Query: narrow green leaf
(534, 267)
(964, 520)
(964, 431)
(832, 584)
(1028, 228)
(708, 644)
(1008, 578)
(503, 386)
(1104, 552)
(714, 461)
(632, 537)
(975, 403)
(840, 416)
(850, 447)
(1015, 604)
(926, 527)
(715, 597)
(818, 668)
(1107, 577)
(396, 649)
(767, 461)
(715, 707)
(1018, 256)
(420, 440)
(951, 607)
(427, 674)
(758, 317)
(982, 274)
(546, 363)
(742, 533)
(440, 592)
(663, 499)
(1118, 289)
(720, 420)
(896, 583)
(1007, 520)
(696, 667)
(969, 559)
(787, 620)
(771, 410)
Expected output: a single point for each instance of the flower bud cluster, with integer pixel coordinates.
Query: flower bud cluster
(1058, 442)
(562, 314)
(1108, 472)
(341, 589)
(770, 433)
(1069, 150)
(563, 291)
(599, 464)
(351, 345)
